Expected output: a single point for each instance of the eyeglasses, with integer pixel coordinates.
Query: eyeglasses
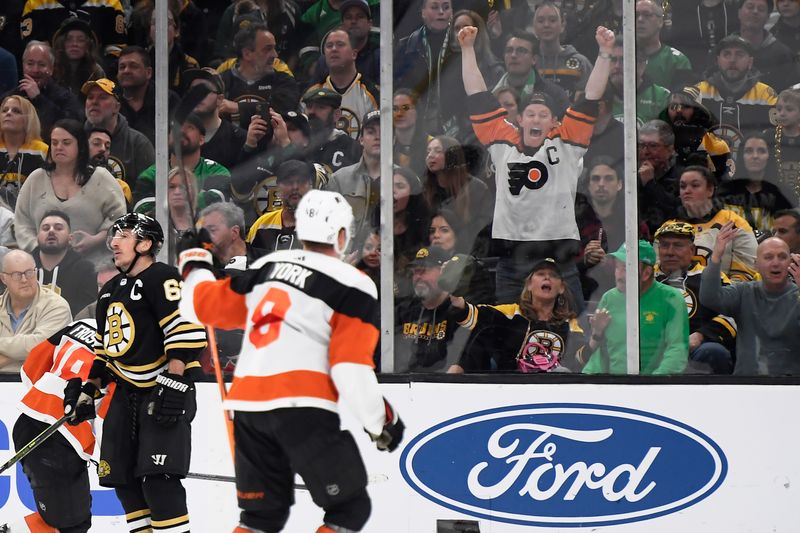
(519, 50)
(650, 146)
(405, 108)
(17, 276)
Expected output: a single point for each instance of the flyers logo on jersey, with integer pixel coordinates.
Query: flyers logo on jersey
(530, 174)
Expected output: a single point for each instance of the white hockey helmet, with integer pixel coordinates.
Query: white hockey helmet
(319, 217)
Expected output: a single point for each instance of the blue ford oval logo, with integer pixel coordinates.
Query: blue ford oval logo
(563, 465)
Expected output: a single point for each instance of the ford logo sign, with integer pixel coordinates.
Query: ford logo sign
(563, 465)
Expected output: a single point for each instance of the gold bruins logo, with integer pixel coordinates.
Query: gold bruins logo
(731, 135)
(349, 123)
(573, 64)
(691, 302)
(115, 166)
(552, 343)
(120, 330)
(267, 196)
(103, 469)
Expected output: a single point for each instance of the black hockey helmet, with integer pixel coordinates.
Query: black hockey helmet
(143, 226)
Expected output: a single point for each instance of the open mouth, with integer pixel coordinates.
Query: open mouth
(536, 132)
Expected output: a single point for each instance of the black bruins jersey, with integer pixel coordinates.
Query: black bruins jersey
(139, 327)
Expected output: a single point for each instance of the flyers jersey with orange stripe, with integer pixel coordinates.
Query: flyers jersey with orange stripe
(139, 328)
(535, 198)
(310, 328)
(66, 355)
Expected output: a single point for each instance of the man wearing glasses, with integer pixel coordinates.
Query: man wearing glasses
(29, 313)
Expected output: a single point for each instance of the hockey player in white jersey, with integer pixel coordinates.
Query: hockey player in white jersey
(310, 325)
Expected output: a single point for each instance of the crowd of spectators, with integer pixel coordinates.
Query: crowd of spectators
(508, 181)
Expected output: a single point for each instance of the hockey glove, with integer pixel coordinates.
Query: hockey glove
(457, 274)
(194, 251)
(79, 401)
(169, 398)
(392, 433)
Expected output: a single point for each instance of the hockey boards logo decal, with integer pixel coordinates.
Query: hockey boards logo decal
(564, 465)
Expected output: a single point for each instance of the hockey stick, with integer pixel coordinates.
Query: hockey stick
(373, 479)
(194, 96)
(33, 444)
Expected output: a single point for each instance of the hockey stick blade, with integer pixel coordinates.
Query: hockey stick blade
(373, 479)
(33, 444)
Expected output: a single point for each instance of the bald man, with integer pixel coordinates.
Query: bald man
(29, 313)
(767, 311)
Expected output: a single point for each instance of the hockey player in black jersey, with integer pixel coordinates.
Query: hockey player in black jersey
(149, 352)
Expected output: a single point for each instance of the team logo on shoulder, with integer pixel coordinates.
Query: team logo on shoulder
(267, 196)
(120, 330)
(349, 123)
(691, 302)
(116, 167)
(103, 469)
(572, 64)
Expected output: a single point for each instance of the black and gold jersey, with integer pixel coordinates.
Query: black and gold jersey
(139, 327)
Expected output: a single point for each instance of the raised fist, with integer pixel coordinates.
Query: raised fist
(605, 39)
(467, 35)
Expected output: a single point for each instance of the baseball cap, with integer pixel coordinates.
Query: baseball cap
(363, 4)
(370, 118)
(682, 229)
(105, 84)
(206, 73)
(298, 120)
(547, 263)
(194, 120)
(295, 167)
(647, 253)
(430, 256)
(323, 95)
(734, 41)
(546, 100)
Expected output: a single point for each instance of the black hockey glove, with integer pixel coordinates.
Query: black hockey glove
(168, 402)
(457, 274)
(392, 433)
(79, 401)
(195, 251)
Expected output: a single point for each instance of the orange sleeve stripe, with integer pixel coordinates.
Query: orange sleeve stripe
(216, 304)
(39, 361)
(577, 128)
(285, 385)
(48, 404)
(496, 130)
(352, 341)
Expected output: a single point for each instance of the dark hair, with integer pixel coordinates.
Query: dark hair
(794, 213)
(134, 49)
(246, 37)
(83, 169)
(411, 94)
(456, 224)
(87, 65)
(337, 28)
(456, 176)
(525, 36)
(563, 307)
(705, 172)
(741, 170)
(56, 213)
(96, 129)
